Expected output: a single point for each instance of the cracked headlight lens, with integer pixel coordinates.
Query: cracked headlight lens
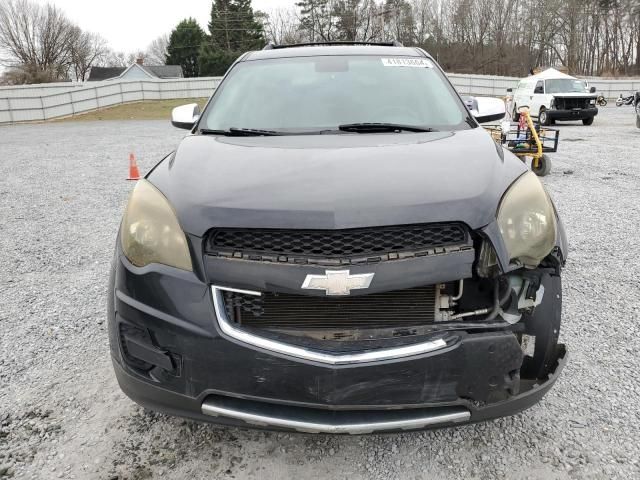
(150, 231)
(527, 221)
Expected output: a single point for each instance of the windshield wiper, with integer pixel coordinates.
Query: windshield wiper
(241, 132)
(382, 128)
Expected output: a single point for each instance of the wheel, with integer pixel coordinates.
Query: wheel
(543, 117)
(587, 121)
(603, 103)
(544, 166)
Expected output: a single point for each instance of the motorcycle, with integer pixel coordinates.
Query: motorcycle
(601, 101)
(620, 101)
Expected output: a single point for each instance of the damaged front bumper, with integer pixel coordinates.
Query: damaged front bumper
(171, 355)
(258, 412)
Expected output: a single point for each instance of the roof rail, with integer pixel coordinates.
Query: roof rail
(273, 46)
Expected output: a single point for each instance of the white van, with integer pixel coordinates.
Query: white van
(553, 95)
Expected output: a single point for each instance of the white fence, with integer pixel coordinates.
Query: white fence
(37, 103)
(43, 102)
(482, 85)
(497, 86)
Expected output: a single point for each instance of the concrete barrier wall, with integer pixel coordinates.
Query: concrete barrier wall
(30, 103)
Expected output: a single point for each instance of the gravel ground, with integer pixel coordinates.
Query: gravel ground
(62, 192)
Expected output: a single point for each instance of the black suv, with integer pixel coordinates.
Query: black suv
(337, 246)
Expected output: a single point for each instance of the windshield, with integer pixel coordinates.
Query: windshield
(306, 94)
(566, 85)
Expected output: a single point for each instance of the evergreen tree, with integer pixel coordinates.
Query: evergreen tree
(184, 47)
(233, 30)
(214, 62)
(233, 26)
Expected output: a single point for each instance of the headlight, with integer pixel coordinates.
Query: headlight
(527, 221)
(592, 101)
(150, 231)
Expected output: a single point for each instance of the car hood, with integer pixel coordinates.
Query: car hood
(336, 181)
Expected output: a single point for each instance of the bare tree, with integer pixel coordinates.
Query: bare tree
(156, 53)
(318, 18)
(120, 59)
(281, 26)
(505, 37)
(40, 37)
(41, 44)
(88, 50)
(24, 74)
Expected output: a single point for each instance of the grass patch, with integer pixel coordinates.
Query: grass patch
(146, 110)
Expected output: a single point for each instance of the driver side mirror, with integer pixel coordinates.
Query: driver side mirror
(486, 109)
(185, 116)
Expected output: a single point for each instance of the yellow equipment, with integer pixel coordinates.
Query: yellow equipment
(526, 140)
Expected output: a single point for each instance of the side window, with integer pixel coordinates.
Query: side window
(539, 87)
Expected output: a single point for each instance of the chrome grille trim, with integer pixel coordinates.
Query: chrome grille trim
(228, 328)
(421, 420)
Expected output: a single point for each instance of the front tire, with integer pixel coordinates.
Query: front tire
(544, 166)
(587, 121)
(543, 117)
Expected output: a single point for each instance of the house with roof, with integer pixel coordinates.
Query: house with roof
(135, 71)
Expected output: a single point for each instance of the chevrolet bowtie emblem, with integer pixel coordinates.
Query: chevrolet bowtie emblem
(338, 282)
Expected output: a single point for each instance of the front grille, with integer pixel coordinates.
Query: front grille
(352, 246)
(569, 103)
(401, 308)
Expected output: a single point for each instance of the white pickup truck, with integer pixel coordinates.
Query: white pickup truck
(552, 95)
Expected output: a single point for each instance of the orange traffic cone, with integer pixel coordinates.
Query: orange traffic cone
(134, 173)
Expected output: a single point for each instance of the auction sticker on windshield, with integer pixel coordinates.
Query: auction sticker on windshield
(407, 62)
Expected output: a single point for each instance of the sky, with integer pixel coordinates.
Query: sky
(131, 25)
